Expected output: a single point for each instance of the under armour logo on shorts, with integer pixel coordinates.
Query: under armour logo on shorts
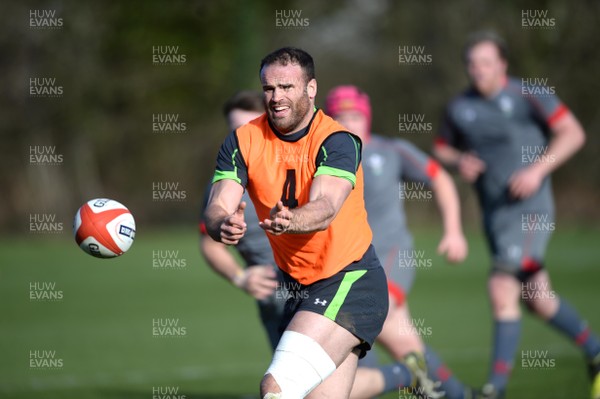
(319, 302)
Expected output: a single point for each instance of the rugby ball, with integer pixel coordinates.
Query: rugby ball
(104, 228)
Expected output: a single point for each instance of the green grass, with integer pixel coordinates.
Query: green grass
(102, 328)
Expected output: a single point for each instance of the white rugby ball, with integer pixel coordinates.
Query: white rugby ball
(104, 228)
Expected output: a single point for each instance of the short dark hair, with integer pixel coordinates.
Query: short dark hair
(293, 55)
(247, 100)
(486, 36)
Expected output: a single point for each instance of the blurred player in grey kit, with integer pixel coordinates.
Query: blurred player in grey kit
(506, 136)
(389, 164)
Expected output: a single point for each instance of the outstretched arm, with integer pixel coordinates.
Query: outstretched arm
(327, 195)
(259, 281)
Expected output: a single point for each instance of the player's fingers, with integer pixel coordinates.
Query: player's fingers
(278, 225)
(463, 251)
(468, 174)
(228, 241)
(280, 206)
(232, 229)
(268, 226)
(442, 246)
(517, 190)
(478, 164)
(513, 186)
(258, 277)
(281, 223)
(267, 270)
(236, 220)
(266, 282)
(258, 285)
(453, 256)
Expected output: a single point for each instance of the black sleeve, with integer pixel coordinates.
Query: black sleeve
(230, 163)
(339, 155)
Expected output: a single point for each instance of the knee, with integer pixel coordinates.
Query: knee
(504, 291)
(299, 365)
(543, 304)
(268, 386)
(539, 296)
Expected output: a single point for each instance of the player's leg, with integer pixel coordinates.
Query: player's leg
(401, 337)
(372, 379)
(369, 381)
(425, 366)
(449, 384)
(271, 311)
(309, 351)
(338, 384)
(558, 313)
(506, 240)
(504, 291)
(336, 316)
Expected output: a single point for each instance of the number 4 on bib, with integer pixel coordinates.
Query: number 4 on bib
(288, 196)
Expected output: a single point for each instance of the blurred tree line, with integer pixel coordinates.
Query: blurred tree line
(102, 57)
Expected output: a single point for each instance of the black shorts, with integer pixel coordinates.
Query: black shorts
(356, 298)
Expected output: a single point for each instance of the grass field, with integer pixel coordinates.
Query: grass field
(97, 340)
